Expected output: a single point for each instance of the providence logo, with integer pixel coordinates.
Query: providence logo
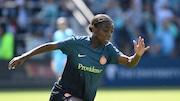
(89, 69)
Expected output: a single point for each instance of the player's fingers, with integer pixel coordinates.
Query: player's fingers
(142, 40)
(135, 43)
(147, 48)
(139, 40)
(12, 65)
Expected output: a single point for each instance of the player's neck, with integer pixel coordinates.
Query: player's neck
(94, 42)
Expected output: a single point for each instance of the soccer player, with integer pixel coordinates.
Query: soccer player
(87, 58)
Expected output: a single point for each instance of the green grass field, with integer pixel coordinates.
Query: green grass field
(102, 95)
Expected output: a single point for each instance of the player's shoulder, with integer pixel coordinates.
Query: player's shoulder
(81, 38)
(74, 39)
(111, 47)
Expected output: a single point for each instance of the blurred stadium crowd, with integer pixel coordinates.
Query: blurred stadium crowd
(32, 22)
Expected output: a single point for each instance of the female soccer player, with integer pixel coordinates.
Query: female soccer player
(87, 58)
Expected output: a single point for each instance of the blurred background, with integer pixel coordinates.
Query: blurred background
(25, 24)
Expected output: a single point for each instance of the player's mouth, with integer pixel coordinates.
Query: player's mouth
(106, 41)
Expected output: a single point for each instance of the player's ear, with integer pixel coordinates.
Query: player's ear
(92, 28)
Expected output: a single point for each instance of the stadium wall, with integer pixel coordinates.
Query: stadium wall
(33, 73)
(162, 72)
(150, 72)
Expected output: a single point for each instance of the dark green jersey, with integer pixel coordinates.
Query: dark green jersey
(85, 65)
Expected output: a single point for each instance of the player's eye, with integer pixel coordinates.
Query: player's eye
(105, 30)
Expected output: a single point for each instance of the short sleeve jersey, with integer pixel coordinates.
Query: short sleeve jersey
(85, 65)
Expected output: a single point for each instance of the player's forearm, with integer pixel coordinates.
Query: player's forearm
(133, 60)
(38, 50)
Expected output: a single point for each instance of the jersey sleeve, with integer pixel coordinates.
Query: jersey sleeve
(67, 45)
(114, 53)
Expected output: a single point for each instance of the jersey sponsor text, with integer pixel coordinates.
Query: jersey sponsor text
(89, 69)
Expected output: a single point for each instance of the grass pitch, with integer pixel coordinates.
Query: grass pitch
(102, 95)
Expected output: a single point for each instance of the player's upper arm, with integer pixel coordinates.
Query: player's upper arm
(53, 45)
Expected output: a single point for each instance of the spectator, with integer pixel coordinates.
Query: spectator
(165, 39)
(58, 58)
(162, 12)
(22, 16)
(48, 13)
(6, 43)
(34, 39)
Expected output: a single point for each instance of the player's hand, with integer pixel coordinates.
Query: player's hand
(15, 62)
(140, 47)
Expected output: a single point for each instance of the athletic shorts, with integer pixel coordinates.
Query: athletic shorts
(58, 94)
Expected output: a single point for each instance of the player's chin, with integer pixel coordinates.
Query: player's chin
(106, 42)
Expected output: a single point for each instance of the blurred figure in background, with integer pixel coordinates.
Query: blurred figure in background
(48, 12)
(37, 37)
(6, 43)
(165, 38)
(58, 58)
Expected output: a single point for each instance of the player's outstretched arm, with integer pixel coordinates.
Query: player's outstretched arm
(17, 61)
(139, 48)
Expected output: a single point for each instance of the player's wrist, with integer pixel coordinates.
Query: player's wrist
(138, 55)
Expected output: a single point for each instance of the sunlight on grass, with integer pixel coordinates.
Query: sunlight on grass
(138, 95)
(102, 95)
(25, 96)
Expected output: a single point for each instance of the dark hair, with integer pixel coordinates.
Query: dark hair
(98, 19)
